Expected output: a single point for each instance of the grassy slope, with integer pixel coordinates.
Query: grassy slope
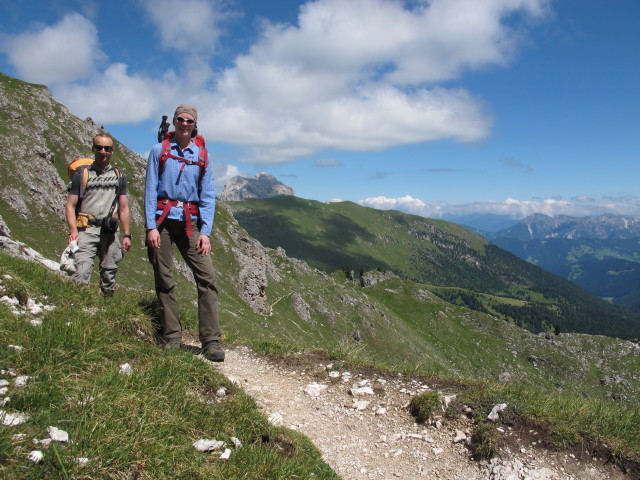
(431, 252)
(145, 422)
(142, 425)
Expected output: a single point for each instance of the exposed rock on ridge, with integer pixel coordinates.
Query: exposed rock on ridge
(262, 185)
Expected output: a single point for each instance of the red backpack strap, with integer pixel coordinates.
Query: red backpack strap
(203, 156)
(165, 153)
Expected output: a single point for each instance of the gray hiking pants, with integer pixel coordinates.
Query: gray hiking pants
(106, 246)
(174, 232)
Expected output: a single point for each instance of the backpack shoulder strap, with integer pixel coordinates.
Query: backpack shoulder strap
(84, 171)
(165, 152)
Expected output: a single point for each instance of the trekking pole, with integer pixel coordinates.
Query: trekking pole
(163, 128)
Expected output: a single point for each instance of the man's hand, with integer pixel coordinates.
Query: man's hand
(153, 238)
(73, 236)
(203, 245)
(126, 244)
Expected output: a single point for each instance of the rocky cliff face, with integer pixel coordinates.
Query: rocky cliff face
(262, 185)
(38, 139)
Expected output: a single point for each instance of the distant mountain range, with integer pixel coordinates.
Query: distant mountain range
(601, 254)
(543, 227)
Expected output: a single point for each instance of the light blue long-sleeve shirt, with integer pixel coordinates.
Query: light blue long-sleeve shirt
(175, 185)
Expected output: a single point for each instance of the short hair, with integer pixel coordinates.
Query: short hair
(104, 135)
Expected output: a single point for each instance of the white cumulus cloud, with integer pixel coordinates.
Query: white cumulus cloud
(342, 77)
(351, 75)
(510, 207)
(64, 52)
(115, 96)
(187, 26)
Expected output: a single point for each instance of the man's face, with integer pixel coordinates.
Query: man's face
(102, 150)
(184, 123)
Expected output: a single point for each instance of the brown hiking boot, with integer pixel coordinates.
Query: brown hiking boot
(213, 352)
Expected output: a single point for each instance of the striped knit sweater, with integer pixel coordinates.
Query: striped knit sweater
(99, 192)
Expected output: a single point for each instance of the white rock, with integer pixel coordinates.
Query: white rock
(81, 461)
(276, 419)
(446, 401)
(21, 381)
(460, 437)
(360, 404)
(4, 383)
(226, 454)
(314, 389)
(15, 347)
(57, 434)
(205, 445)
(10, 301)
(45, 441)
(437, 451)
(4, 401)
(4, 390)
(334, 374)
(493, 416)
(236, 442)
(381, 411)
(221, 392)
(35, 322)
(13, 419)
(35, 456)
(126, 369)
(361, 391)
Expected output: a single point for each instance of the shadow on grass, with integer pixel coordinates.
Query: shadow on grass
(151, 308)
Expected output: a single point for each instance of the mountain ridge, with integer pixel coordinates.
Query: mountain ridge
(601, 254)
(261, 185)
(604, 227)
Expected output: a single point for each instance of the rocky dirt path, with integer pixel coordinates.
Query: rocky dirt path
(361, 424)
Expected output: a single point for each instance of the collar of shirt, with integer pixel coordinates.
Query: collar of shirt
(100, 171)
(175, 146)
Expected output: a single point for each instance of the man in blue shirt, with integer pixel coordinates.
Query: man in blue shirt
(179, 208)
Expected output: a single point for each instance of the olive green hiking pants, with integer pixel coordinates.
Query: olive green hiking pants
(174, 232)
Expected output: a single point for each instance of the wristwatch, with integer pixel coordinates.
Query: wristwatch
(127, 235)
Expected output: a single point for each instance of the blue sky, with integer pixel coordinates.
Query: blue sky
(440, 108)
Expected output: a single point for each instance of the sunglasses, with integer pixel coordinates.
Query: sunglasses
(107, 148)
(188, 120)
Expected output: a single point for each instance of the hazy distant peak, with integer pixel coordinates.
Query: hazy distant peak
(261, 185)
(540, 226)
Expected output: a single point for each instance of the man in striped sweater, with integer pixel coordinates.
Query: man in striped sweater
(90, 213)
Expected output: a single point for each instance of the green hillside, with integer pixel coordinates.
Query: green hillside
(609, 268)
(432, 252)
